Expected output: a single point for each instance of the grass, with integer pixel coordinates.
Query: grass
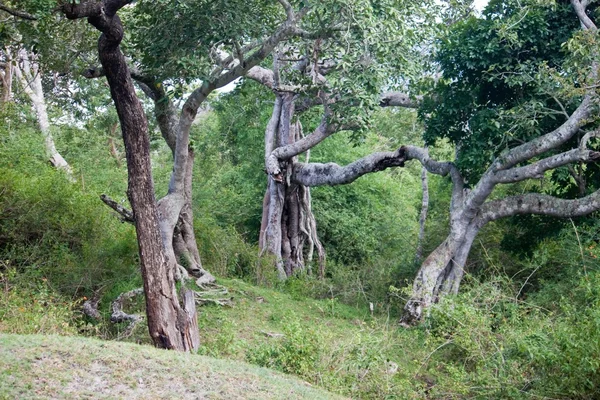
(55, 367)
(341, 348)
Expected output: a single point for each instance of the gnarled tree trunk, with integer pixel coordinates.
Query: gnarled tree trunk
(6, 77)
(288, 228)
(442, 271)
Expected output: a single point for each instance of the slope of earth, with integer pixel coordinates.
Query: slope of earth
(54, 367)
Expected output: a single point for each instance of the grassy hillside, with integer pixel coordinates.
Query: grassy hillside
(55, 367)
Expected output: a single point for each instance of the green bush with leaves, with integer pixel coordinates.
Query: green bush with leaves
(297, 352)
(52, 228)
(28, 307)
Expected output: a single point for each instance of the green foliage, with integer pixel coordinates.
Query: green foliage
(32, 307)
(174, 39)
(365, 252)
(504, 80)
(51, 229)
(297, 352)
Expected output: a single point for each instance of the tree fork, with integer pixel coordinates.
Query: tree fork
(170, 326)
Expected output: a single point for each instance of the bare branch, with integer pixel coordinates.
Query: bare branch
(546, 142)
(537, 169)
(323, 131)
(17, 13)
(535, 203)
(399, 99)
(289, 11)
(125, 214)
(118, 315)
(579, 8)
(316, 174)
(586, 138)
(442, 168)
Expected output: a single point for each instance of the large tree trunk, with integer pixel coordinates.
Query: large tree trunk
(29, 75)
(288, 228)
(441, 273)
(170, 325)
(182, 240)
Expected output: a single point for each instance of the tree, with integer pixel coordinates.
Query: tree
(344, 72)
(19, 60)
(29, 75)
(165, 227)
(171, 325)
(519, 42)
(188, 60)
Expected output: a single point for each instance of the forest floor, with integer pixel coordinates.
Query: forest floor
(55, 367)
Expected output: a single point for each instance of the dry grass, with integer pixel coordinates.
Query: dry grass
(54, 367)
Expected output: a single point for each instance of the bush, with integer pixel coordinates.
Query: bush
(28, 307)
(485, 343)
(297, 352)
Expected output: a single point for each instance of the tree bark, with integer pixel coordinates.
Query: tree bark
(29, 75)
(442, 271)
(170, 325)
(7, 78)
(423, 216)
(288, 227)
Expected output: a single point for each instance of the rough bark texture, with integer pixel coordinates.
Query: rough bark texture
(442, 271)
(6, 75)
(288, 228)
(170, 325)
(175, 212)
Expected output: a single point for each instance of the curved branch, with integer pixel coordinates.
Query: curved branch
(164, 109)
(266, 77)
(549, 141)
(537, 169)
(125, 215)
(442, 168)
(323, 131)
(190, 108)
(316, 174)
(535, 203)
(579, 8)
(289, 11)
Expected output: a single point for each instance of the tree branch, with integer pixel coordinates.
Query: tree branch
(266, 77)
(125, 214)
(579, 8)
(537, 169)
(190, 108)
(399, 99)
(17, 13)
(316, 174)
(535, 203)
(289, 11)
(547, 142)
(442, 168)
(323, 131)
